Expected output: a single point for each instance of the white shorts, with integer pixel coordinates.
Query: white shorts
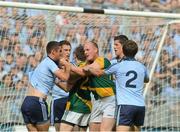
(75, 118)
(104, 107)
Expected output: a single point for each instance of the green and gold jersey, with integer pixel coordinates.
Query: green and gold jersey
(102, 86)
(79, 97)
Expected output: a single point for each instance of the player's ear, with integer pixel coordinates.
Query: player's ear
(52, 51)
(96, 50)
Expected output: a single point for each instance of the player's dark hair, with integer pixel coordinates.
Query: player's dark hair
(79, 53)
(52, 45)
(130, 48)
(121, 38)
(65, 42)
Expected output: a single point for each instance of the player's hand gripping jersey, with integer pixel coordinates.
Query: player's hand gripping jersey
(102, 86)
(79, 96)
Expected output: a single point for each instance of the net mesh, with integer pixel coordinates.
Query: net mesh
(24, 34)
(163, 96)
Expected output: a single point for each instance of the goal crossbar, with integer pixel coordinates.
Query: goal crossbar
(85, 10)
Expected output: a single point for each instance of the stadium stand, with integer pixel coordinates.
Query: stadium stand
(23, 39)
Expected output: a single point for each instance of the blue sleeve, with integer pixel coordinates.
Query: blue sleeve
(52, 66)
(111, 69)
(113, 61)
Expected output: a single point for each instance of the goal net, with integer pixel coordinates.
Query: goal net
(24, 34)
(163, 92)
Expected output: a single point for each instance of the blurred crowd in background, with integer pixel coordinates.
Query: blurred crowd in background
(24, 34)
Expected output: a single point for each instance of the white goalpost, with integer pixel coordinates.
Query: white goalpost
(159, 52)
(26, 28)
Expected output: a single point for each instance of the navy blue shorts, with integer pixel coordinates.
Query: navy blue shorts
(34, 110)
(129, 115)
(57, 109)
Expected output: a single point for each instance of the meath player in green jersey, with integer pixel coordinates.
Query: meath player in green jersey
(79, 105)
(103, 104)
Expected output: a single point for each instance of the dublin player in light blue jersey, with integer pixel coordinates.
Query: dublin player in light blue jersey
(119, 41)
(130, 78)
(41, 80)
(60, 97)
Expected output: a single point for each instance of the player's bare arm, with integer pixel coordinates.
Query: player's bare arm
(67, 86)
(78, 70)
(62, 85)
(63, 74)
(94, 69)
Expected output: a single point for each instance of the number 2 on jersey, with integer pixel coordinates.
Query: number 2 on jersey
(129, 82)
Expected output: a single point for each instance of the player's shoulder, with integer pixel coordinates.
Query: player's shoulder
(101, 59)
(140, 63)
(115, 60)
(48, 61)
(134, 61)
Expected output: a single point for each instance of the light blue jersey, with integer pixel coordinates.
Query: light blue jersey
(42, 78)
(114, 60)
(130, 75)
(58, 93)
